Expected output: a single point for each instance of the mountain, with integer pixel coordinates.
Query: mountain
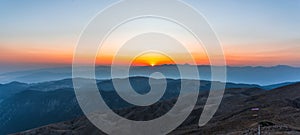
(34, 76)
(262, 75)
(278, 114)
(30, 109)
(247, 74)
(11, 88)
(40, 101)
(273, 86)
(32, 105)
(6, 90)
(52, 85)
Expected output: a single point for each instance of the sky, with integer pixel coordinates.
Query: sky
(38, 34)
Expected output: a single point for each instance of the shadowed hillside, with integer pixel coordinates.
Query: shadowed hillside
(26, 106)
(279, 113)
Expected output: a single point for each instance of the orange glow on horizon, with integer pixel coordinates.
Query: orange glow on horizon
(150, 59)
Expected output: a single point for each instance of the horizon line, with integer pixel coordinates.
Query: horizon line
(70, 66)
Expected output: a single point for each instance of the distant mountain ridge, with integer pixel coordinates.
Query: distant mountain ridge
(247, 74)
(15, 87)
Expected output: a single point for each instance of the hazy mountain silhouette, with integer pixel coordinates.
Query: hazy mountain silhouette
(11, 88)
(273, 86)
(248, 75)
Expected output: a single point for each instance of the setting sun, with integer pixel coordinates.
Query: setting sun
(152, 59)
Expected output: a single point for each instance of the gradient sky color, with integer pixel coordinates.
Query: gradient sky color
(35, 34)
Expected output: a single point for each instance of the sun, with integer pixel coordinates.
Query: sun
(152, 59)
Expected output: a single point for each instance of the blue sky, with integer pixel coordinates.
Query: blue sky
(253, 29)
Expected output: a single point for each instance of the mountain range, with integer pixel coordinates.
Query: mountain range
(24, 106)
(278, 113)
(248, 75)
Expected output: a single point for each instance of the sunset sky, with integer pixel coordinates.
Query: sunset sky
(36, 34)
